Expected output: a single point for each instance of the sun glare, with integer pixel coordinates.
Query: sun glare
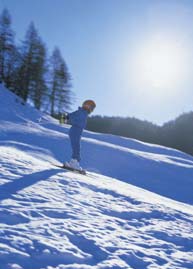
(160, 63)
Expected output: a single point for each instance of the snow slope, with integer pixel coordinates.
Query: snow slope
(133, 209)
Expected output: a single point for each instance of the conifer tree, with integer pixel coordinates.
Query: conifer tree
(31, 73)
(8, 52)
(60, 93)
(38, 92)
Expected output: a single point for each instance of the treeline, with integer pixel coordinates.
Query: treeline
(28, 70)
(177, 134)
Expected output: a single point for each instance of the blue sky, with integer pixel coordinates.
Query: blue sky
(101, 42)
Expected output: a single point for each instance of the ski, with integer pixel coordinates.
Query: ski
(82, 172)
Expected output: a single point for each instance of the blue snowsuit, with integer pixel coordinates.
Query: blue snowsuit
(78, 120)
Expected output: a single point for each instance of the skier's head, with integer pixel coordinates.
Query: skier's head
(89, 105)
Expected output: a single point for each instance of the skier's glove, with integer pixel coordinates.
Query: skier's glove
(64, 118)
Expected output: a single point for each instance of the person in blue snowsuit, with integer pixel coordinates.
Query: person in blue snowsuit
(78, 120)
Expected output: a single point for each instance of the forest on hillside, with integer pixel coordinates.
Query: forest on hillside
(177, 133)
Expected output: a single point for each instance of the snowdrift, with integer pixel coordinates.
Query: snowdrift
(133, 209)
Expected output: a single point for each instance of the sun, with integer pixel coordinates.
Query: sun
(160, 63)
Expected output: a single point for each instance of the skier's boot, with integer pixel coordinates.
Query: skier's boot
(73, 164)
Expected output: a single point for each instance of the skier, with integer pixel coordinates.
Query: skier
(78, 120)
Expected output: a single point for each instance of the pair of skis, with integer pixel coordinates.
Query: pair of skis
(63, 166)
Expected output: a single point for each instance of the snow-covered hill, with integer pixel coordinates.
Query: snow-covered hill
(55, 219)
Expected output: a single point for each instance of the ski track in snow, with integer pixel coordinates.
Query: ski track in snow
(55, 219)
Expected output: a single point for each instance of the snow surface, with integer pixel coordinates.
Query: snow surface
(134, 209)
